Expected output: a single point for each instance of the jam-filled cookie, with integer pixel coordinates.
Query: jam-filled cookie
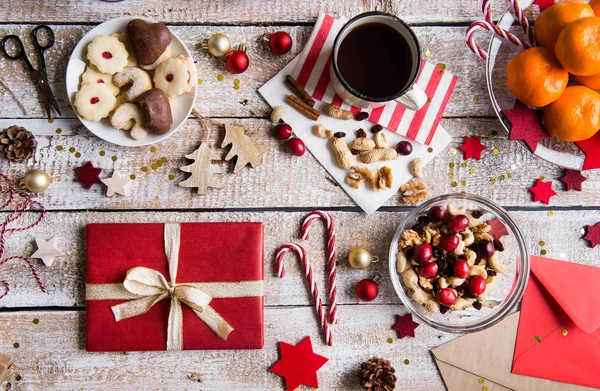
(140, 82)
(94, 101)
(175, 76)
(131, 62)
(107, 54)
(92, 76)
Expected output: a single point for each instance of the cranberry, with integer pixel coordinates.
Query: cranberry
(100, 81)
(461, 268)
(107, 55)
(404, 148)
(477, 285)
(169, 77)
(429, 270)
(436, 214)
(94, 100)
(284, 131)
(485, 249)
(458, 223)
(423, 253)
(449, 242)
(297, 146)
(446, 296)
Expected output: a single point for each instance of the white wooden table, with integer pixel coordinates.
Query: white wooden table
(51, 353)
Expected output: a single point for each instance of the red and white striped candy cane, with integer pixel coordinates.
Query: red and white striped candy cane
(523, 21)
(292, 247)
(489, 25)
(6, 288)
(328, 219)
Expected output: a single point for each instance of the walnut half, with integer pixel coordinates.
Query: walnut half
(414, 191)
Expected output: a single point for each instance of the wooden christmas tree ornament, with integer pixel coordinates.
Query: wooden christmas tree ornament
(243, 147)
(202, 170)
(5, 364)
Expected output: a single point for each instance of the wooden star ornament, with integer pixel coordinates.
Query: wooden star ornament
(243, 147)
(526, 125)
(472, 147)
(593, 234)
(405, 326)
(542, 191)
(573, 179)
(298, 364)
(88, 175)
(47, 251)
(117, 184)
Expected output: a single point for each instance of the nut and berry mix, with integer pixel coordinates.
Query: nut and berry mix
(448, 260)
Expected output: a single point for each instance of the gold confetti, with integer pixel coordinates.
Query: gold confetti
(236, 86)
(154, 167)
(441, 71)
(171, 177)
(50, 120)
(132, 177)
(159, 163)
(16, 345)
(427, 53)
(564, 333)
(35, 321)
(493, 180)
(451, 165)
(542, 243)
(389, 340)
(550, 213)
(406, 361)
(476, 98)
(543, 252)
(101, 153)
(454, 184)
(114, 158)
(513, 166)
(220, 77)
(463, 182)
(496, 151)
(59, 148)
(18, 378)
(199, 81)
(490, 137)
(484, 388)
(502, 177)
(77, 155)
(537, 339)
(509, 175)
(72, 149)
(163, 159)
(472, 171)
(58, 130)
(464, 164)
(542, 177)
(481, 380)
(429, 99)
(429, 149)
(236, 81)
(450, 175)
(441, 65)
(453, 151)
(152, 149)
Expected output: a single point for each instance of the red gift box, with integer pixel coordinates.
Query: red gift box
(218, 286)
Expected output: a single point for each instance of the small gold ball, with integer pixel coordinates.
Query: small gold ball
(36, 181)
(359, 258)
(219, 45)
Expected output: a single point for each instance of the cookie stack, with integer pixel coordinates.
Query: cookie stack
(132, 79)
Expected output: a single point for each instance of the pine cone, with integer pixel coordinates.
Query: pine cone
(17, 143)
(377, 374)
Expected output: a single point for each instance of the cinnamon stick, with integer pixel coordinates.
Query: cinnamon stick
(302, 107)
(299, 91)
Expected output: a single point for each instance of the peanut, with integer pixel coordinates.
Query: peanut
(362, 144)
(342, 153)
(415, 292)
(376, 155)
(337, 112)
(320, 131)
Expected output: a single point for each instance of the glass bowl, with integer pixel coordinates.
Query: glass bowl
(510, 285)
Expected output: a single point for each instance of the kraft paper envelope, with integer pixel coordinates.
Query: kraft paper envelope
(488, 355)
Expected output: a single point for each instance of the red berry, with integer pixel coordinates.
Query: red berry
(446, 296)
(458, 223)
(284, 131)
(429, 270)
(477, 285)
(107, 55)
(367, 290)
(100, 81)
(297, 146)
(404, 148)
(485, 249)
(461, 268)
(436, 214)
(423, 253)
(94, 100)
(169, 77)
(449, 242)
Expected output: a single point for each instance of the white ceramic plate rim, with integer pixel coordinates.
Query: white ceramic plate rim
(76, 66)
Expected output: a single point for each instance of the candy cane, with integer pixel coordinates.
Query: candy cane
(291, 247)
(330, 256)
(523, 21)
(489, 25)
(6, 288)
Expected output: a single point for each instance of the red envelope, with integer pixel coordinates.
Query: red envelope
(559, 329)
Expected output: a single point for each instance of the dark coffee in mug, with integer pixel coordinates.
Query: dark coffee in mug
(376, 60)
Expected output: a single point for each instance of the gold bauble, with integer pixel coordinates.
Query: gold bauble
(218, 45)
(36, 181)
(360, 258)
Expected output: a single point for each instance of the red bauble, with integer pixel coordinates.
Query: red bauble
(297, 146)
(367, 290)
(237, 61)
(280, 42)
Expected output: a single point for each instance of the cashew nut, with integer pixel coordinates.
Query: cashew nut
(460, 249)
(277, 113)
(488, 289)
(380, 139)
(416, 293)
(129, 116)
(478, 271)
(453, 210)
(471, 256)
(461, 303)
(490, 279)
(496, 264)
(320, 131)
(401, 262)
(455, 281)
(483, 236)
(415, 167)
(468, 238)
(443, 283)
(362, 144)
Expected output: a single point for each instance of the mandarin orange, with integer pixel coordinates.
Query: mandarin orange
(578, 47)
(554, 19)
(592, 82)
(575, 116)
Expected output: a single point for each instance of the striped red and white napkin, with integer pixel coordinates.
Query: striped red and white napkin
(312, 73)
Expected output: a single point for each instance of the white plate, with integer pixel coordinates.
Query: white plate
(76, 66)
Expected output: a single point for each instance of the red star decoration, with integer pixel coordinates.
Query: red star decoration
(544, 4)
(573, 179)
(298, 364)
(405, 326)
(472, 147)
(525, 125)
(497, 228)
(542, 191)
(88, 174)
(593, 234)
(591, 147)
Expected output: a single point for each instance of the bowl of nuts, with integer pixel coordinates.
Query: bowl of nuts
(459, 263)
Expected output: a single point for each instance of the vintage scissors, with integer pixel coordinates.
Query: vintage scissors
(38, 75)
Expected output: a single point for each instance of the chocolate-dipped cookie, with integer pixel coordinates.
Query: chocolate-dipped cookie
(157, 108)
(147, 40)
